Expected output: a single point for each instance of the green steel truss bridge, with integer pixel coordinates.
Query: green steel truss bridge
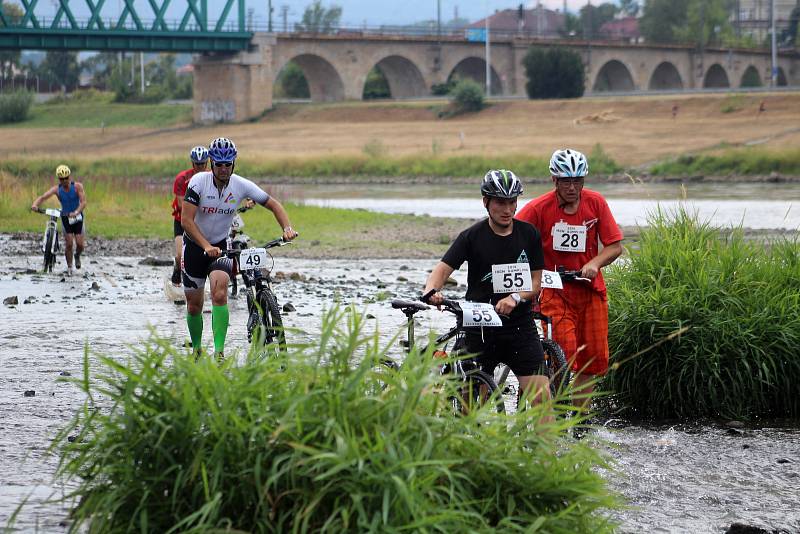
(21, 28)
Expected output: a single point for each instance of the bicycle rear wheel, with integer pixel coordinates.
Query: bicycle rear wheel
(557, 366)
(476, 389)
(49, 256)
(272, 320)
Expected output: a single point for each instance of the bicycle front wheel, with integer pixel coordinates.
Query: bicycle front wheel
(557, 367)
(49, 256)
(476, 389)
(272, 320)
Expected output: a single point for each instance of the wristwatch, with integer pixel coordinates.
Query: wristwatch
(517, 298)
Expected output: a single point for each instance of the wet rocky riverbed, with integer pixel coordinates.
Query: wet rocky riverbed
(674, 478)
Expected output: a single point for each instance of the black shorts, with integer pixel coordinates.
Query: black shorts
(196, 266)
(517, 347)
(74, 228)
(177, 229)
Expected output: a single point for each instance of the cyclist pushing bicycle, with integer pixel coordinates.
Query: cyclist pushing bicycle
(209, 207)
(505, 260)
(574, 222)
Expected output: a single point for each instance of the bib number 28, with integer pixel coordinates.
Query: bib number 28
(569, 237)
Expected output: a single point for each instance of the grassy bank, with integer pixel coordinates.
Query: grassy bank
(738, 300)
(365, 166)
(315, 441)
(133, 208)
(100, 112)
(745, 161)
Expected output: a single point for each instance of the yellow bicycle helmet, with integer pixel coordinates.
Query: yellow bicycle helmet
(62, 171)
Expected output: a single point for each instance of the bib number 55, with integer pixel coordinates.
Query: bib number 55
(511, 278)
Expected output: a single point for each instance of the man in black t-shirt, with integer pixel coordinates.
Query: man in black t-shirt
(505, 259)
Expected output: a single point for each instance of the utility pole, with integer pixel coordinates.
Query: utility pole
(269, 16)
(439, 20)
(285, 15)
(488, 55)
(774, 76)
(141, 69)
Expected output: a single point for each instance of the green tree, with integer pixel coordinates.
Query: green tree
(789, 36)
(593, 17)
(61, 68)
(707, 21)
(318, 19)
(629, 7)
(292, 82)
(553, 73)
(9, 59)
(467, 95)
(661, 19)
(101, 66)
(376, 85)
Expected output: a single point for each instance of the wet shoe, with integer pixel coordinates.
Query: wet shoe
(220, 357)
(77, 261)
(176, 278)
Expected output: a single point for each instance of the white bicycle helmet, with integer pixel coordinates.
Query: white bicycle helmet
(501, 184)
(568, 163)
(199, 154)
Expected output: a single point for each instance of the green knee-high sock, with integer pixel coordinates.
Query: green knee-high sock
(195, 323)
(219, 325)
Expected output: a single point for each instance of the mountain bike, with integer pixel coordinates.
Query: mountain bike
(558, 368)
(50, 242)
(476, 387)
(264, 321)
(237, 240)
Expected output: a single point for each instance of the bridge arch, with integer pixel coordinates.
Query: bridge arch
(474, 68)
(324, 82)
(403, 76)
(716, 77)
(613, 76)
(750, 78)
(665, 76)
(781, 78)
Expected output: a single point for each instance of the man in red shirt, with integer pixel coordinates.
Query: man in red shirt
(199, 157)
(573, 222)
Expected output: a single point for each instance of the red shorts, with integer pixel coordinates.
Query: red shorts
(580, 325)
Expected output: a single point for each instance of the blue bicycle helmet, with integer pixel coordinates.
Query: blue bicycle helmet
(199, 154)
(222, 150)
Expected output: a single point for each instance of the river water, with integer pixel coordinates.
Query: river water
(675, 479)
(751, 205)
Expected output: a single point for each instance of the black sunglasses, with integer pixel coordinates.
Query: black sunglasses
(62, 179)
(223, 163)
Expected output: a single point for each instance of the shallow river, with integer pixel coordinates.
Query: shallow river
(753, 205)
(675, 479)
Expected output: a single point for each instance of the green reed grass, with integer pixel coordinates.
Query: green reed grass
(747, 161)
(317, 441)
(740, 357)
(89, 113)
(373, 164)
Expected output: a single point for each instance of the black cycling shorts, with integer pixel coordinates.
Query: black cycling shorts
(177, 229)
(517, 347)
(74, 228)
(196, 266)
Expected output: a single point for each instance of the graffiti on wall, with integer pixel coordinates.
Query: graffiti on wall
(217, 111)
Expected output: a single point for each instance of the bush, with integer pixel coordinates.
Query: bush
(14, 107)
(467, 96)
(553, 73)
(315, 441)
(441, 89)
(740, 354)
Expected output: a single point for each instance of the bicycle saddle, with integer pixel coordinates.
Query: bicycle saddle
(401, 304)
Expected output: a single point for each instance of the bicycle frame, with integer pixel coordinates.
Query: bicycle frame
(51, 227)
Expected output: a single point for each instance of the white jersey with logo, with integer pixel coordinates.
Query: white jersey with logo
(215, 209)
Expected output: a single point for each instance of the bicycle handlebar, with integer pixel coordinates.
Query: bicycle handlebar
(572, 276)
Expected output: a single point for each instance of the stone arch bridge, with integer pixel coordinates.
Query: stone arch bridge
(238, 87)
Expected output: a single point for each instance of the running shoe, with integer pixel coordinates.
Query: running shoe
(77, 261)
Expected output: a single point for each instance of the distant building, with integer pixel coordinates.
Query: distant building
(536, 22)
(622, 29)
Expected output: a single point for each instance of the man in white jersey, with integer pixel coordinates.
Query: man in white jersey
(208, 210)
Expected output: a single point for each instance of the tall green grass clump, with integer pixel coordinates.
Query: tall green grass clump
(741, 161)
(738, 301)
(318, 441)
(14, 107)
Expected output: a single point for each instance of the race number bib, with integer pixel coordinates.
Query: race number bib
(511, 277)
(480, 314)
(569, 237)
(53, 212)
(77, 218)
(252, 258)
(552, 280)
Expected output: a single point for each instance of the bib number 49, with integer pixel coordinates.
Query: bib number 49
(252, 258)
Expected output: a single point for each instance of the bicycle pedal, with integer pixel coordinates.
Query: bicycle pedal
(404, 343)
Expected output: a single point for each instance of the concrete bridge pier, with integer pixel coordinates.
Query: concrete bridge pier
(234, 87)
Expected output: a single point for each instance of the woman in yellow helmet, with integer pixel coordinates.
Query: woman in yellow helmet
(73, 202)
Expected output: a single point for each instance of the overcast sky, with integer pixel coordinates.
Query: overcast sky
(354, 12)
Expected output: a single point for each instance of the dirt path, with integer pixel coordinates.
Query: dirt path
(632, 130)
